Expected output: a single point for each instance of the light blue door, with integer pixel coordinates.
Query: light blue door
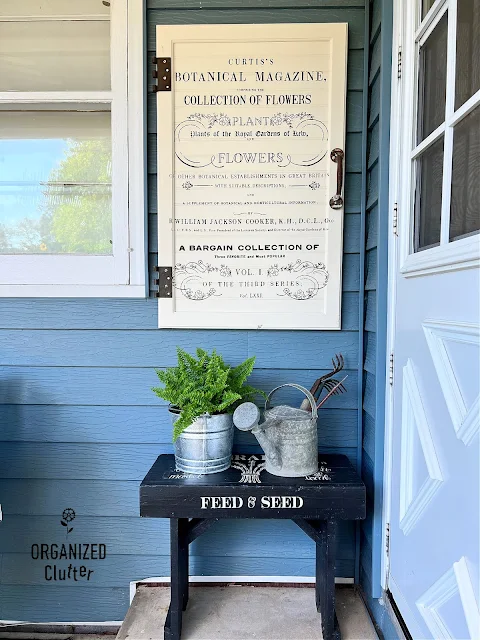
(434, 517)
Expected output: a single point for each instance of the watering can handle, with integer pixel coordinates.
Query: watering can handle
(311, 399)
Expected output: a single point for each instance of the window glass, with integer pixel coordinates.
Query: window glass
(55, 55)
(467, 72)
(426, 6)
(55, 186)
(432, 79)
(465, 200)
(428, 197)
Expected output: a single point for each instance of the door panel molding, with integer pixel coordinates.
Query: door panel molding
(412, 506)
(465, 419)
(456, 582)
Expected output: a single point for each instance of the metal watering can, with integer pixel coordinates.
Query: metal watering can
(288, 435)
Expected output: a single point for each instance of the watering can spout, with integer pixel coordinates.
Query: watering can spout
(246, 418)
(271, 451)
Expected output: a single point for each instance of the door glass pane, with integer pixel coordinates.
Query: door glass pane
(426, 6)
(55, 56)
(428, 197)
(465, 202)
(432, 79)
(55, 183)
(467, 80)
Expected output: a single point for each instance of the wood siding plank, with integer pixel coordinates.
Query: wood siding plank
(20, 569)
(372, 228)
(46, 603)
(133, 425)
(121, 536)
(83, 427)
(103, 498)
(371, 282)
(122, 386)
(79, 348)
(88, 461)
(354, 16)
(240, 4)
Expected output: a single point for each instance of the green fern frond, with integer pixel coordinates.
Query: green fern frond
(204, 384)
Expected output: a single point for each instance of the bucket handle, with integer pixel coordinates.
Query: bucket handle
(311, 399)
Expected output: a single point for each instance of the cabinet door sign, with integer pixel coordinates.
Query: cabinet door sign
(251, 129)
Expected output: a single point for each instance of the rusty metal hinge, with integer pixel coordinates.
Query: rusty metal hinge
(164, 282)
(399, 63)
(395, 219)
(162, 72)
(390, 377)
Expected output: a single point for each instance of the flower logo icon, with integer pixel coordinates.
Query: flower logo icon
(67, 516)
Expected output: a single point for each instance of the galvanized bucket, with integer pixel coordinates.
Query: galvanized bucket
(206, 445)
(292, 436)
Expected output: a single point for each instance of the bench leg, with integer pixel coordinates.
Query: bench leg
(178, 577)
(325, 579)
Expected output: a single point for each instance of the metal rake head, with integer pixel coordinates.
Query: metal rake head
(337, 364)
(329, 385)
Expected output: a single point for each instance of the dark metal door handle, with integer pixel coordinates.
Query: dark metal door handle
(337, 155)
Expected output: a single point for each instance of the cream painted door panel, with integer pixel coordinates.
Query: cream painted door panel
(245, 175)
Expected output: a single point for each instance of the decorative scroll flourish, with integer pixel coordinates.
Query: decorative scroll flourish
(189, 279)
(250, 467)
(302, 123)
(309, 277)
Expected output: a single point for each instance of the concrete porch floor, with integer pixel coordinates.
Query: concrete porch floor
(232, 613)
(245, 613)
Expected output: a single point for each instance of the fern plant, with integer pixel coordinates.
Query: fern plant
(204, 385)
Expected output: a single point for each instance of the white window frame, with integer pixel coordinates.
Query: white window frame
(122, 274)
(448, 256)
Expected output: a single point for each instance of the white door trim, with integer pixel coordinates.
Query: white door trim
(393, 257)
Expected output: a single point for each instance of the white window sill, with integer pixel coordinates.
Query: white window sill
(72, 291)
(462, 254)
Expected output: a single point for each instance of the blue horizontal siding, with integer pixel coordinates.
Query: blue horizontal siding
(354, 16)
(122, 387)
(51, 313)
(78, 348)
(248, 4)
(245, 538)
(82, 426)
(46, 497)
(19, 568)
(32, 603)
(134, 424)
(59, 460)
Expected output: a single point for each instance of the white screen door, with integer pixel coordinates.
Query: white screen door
(434, 449)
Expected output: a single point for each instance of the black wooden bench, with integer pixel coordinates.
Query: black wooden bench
(194, 503)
